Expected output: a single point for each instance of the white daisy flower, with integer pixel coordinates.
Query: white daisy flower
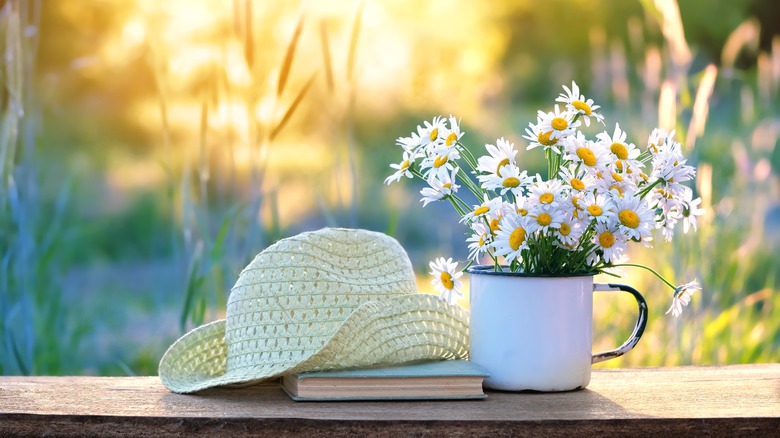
(402, 169)
(410, 144)
(432, 132)
(439, 162)
(452, 135)
(546, 194)
(540, 138)
(576, 102)
(502, 154)
(635, 219)
(598, 207)
(682, 297)
(690, 210)
(610, 242)
(440, 188)
(557, 122)
(512, 237)
(488, 205)
(657, 141)
(569, 233)
(480, 240)
(509, 178)
(545, 218)
(446, 279)
(589, 154)
(578, 180)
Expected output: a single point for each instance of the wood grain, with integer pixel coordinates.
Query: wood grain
(726, 401)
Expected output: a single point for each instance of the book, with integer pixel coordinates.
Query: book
(438, 380)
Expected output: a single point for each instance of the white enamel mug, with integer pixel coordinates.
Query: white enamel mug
(535, 332)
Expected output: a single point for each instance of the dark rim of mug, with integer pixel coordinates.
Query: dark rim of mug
(490, 270)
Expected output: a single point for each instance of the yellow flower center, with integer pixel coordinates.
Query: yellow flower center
(494, 226)
(617, 177)
(594, 210)
(452, 138)
(619, 165)
(447, 185)
(511, 182)
(606, 239)
(481, 241)
(582, 106)
(577, 184)
(522, 211)
(587, 156)
(620, 150)
(405, 165)
(546, 198)
(628, 218)
(544, 138)
(481, 210)
(565, 229)
(559, 124)
(440, 161)
(575, 201)
(434, 134)
(619, 190)
(544, 219)
(501, 164)
(644, 177)
(517, 238)
(446, 280)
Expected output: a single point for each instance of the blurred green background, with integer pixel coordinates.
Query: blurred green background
(148, 150)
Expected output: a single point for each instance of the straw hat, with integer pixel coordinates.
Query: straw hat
(332, 298)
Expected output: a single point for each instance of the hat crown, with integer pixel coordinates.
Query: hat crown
(295, 294)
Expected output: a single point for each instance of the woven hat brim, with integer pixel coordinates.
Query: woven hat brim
(391, 331)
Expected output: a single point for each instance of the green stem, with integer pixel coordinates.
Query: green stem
(634, 265)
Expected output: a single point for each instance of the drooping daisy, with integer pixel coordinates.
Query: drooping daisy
(560, 123)
(588, 154)
(539, 138)
(446, 279)
(609, 241)
(480, 240)
(480, 211)
(598, 207)
(546, 194)
(690, 210)
(512, 237)
(509, 178)
(576, 102)
(634, 217)
(656, 141)
(502, 154)
(440, 187)
(682, 297)
(402, 169)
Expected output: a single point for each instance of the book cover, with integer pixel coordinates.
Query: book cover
(437, 380)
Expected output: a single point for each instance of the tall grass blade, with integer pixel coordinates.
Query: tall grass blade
(353, 41)
(288, 58)
(326, 55)
(291, 110)
(194, 282)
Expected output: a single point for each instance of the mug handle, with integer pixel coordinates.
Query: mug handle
(639, 328)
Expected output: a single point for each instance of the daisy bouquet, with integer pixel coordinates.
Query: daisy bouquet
(601, 194)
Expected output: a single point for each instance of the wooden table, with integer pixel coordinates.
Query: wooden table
(742, 400)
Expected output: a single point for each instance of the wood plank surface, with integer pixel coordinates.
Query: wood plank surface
(741, 400)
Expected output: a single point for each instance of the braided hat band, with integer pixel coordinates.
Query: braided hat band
(328, 299)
